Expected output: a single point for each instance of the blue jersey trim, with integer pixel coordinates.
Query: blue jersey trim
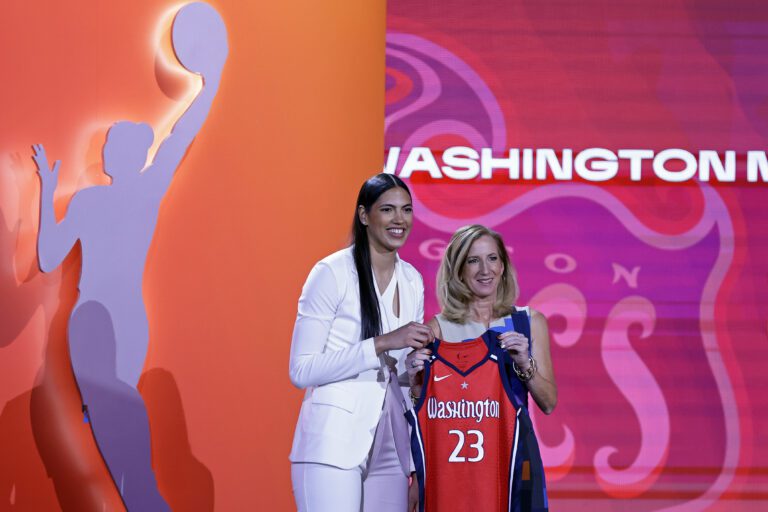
(417, 450)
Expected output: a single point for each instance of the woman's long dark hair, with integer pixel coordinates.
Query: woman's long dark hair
(369, 303)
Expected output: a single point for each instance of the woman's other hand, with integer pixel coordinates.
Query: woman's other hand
(413, 494)
(517, 346)
(414, 365)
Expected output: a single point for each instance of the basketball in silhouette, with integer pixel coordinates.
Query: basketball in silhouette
(200, 38)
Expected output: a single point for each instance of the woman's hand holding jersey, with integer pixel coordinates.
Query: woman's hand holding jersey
(411, 335)
(414, 363)
(517, 346)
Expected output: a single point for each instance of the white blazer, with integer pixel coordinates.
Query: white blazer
(343, 376)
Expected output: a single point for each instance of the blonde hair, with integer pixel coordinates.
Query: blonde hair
(453, 294)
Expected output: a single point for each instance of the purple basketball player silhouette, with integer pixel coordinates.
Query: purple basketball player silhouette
(108, 329)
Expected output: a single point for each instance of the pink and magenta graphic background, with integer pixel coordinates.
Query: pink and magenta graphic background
(655, 292)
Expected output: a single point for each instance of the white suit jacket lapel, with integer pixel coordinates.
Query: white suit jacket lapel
(405, 290)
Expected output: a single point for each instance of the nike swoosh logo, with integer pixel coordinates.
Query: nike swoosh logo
(438, 379)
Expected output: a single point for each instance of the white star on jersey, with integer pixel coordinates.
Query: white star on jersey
(464, 385)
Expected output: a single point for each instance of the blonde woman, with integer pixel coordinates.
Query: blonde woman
(477, 290)
(470, 387)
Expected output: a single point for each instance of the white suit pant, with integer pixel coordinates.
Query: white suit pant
(378, 484)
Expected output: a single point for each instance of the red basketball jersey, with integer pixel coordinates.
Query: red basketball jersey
(467, 432)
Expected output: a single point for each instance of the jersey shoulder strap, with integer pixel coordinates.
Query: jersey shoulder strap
(521, 321)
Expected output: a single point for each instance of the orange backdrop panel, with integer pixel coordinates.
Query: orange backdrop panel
(266, 189)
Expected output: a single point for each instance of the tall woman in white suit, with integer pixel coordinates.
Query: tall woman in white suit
(360, 313)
